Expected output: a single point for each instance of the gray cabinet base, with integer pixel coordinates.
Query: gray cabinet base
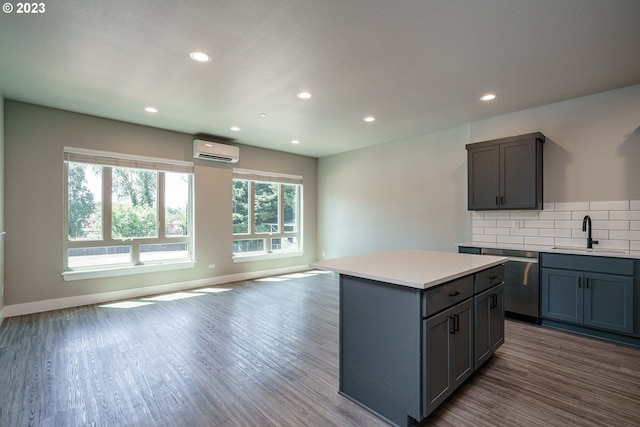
(380, 348)
(591, 332)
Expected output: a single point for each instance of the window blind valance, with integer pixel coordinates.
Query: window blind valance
(82, 155)
(263, 176)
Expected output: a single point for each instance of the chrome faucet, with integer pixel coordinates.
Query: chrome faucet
(586, 226)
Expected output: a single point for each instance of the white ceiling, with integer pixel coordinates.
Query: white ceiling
(418, 66)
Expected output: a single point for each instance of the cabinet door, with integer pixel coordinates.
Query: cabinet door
(608, 302)
(482, 334)
(448, 354)
(489, 323)
(461, 352)
(483, 177)
(437, 334)
(496, 317)
(562, 295)
(519, 175)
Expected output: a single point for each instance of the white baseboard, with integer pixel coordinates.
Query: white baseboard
(80, 300)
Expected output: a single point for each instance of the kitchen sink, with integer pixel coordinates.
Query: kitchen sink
(591, 250)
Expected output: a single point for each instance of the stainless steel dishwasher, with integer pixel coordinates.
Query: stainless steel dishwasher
(521, 283)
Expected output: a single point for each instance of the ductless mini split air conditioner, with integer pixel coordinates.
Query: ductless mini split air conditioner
(215, 151)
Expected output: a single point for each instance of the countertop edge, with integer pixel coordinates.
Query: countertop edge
(487, 262)
(550, 249)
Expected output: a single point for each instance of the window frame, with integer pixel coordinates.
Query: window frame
(253, 177)
(107, 161)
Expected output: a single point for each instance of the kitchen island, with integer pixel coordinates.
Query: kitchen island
(414, 325)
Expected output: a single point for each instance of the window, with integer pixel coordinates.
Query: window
(266, 213)
(126, 210)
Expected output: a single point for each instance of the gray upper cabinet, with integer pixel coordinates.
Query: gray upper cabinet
(505, 173)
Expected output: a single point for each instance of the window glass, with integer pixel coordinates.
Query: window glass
(290, 207)
(108, 204)
(266, 215)
(240, 206)
(84, 202)
(176, 199)
(98, 256)
(163, 251)
(284, 244)
(248, 246)
(266, 207)
(134, 209)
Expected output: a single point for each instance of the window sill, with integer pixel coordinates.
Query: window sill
(125, 271)
(261, 256)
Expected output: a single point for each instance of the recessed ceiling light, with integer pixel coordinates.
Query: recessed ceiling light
(369, 119)
(200, 56)
(295, 141)
(263, 114)
(488, 97)
(150, 109)
(235, 128)
(304, 95)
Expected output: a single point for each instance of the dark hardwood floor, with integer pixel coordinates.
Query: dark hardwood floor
(265, 353)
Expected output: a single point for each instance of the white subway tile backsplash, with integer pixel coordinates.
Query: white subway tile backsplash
(554, 215)
(507, 223)
(613, 244)
(634, 215)
(549, 241)
(595, 215)
(624, 235)
(523, 215)
(514, 240)
(572, 206)
(484, 238)
(579, 243)
(622, 205)
(610, 225)
(568, 224)
(596, 234)
(535, 223)
(554, 232)
(496, 215)
(483, 223)
(496, 230)
(524, 231)
(615, 224)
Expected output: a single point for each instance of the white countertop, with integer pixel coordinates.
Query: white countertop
(414, 268)
(616, 253)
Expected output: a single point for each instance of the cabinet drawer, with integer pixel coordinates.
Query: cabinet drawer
(444, 296)
(488, 278)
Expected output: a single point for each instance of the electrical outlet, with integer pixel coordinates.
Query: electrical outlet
(212, 266)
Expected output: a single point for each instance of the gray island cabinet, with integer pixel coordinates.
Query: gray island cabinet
(414, 325)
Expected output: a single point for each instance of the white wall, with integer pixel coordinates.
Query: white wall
(34, 141)
(593, 148)
(412, 194)
(403, 195)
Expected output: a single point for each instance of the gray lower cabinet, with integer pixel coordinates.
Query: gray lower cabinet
(488, 323)
(404, 350)
(448, 338)
(594, 299)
